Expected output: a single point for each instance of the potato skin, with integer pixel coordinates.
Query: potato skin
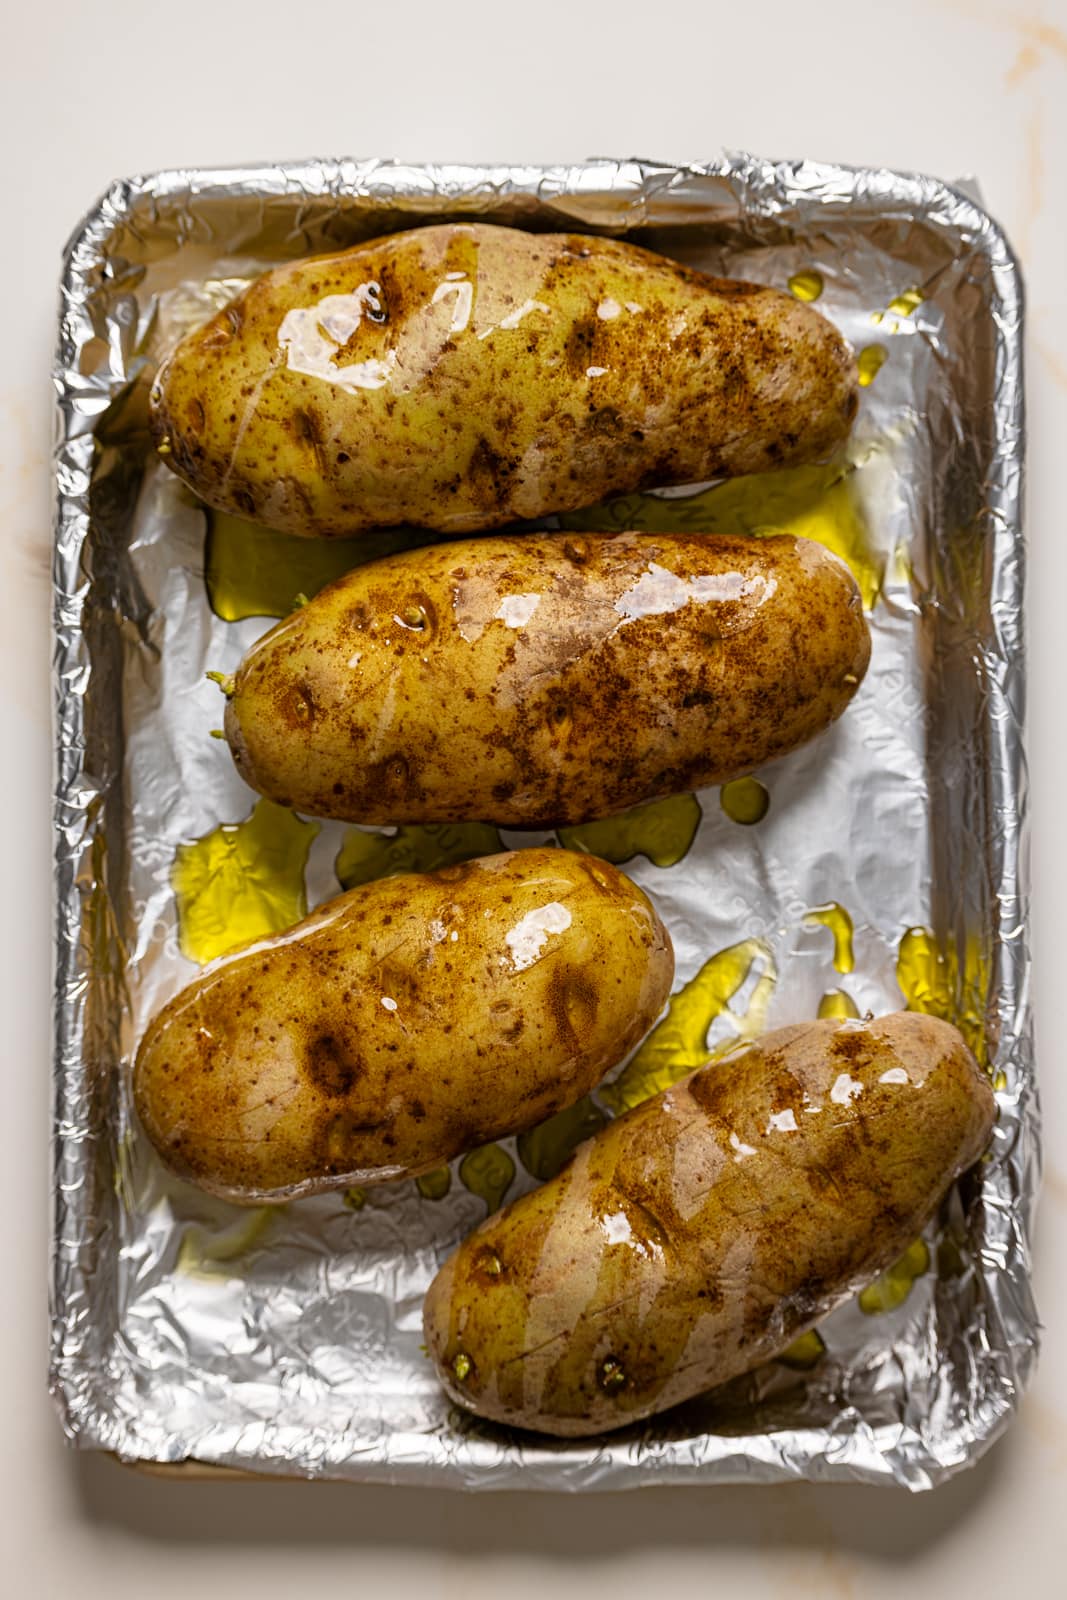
(462, 376)
(699, 1234)
(549, 679)
(401, 1023)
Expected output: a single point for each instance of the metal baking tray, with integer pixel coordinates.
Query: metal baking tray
(886, 864)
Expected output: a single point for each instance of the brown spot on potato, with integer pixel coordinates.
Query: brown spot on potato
(309, 432)
(710, 1088)
(297, 706)
(578, 346)
(487, 471)
(853, 1047)
(605, 421)
(487, 1265)
(573, 1000)
(332, 1068)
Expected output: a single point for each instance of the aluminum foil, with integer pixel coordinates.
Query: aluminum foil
(289, 1341)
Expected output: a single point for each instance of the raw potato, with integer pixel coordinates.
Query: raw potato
(461, 376)
(401, 1023)
(698, 1235)
(549, 679)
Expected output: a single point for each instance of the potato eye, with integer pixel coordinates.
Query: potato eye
(612, 1375)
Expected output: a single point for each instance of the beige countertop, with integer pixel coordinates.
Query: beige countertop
(93, 92)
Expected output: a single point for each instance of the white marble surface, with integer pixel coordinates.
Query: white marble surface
(946, 86)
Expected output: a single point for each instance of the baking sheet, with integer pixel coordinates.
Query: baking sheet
(289, 1341)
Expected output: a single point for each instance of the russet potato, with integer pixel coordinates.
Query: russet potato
(546, 680)
(698, 1235)
(461, 376)
(406, 1021)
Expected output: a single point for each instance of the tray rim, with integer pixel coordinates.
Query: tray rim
(888, 193)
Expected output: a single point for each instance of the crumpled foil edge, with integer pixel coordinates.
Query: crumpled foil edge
(1005, 1337)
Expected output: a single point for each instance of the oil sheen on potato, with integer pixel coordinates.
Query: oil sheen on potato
(548, 680)
(461, 376)
(402, 1023)
(698, 1235)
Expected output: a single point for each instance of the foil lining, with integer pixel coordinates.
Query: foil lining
(288, 1342)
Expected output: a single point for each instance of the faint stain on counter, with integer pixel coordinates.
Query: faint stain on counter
(1054, 1184)
(1024, 63)
(1053, 360)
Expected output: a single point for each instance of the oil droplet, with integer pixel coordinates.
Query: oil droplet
(1000, 1081)
(490, 1263)
(806, 286)
(907, 302)
(488, 1173)
(934, 980)
(255, 572)
(836, 1003)
(837, 919)
(662, 830)
(365, 856)
(891, 1290)
(611, 1375)
(435, 1185)
(123, 1179)
(819, 502)
(545, 1149)
(679, 1044)
(110, 961)
(744, 800)
(241, 881)
(923, 972)
(805, 1352)
(869, 363)
(461, 1365)
(203, 1249)
(355, 1199)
